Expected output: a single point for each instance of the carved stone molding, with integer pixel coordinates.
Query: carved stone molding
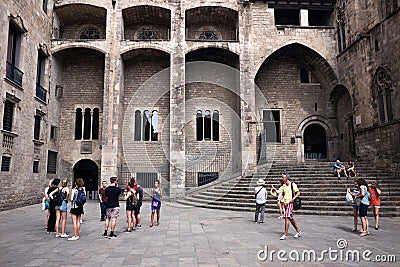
(44, 50)
(18, 22)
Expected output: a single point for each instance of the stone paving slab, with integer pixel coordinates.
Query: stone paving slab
(192, 237)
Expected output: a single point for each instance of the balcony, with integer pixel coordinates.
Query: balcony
(14, 74)
(8, 139)
(41, 93)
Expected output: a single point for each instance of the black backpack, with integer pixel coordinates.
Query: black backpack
(80, 198)
(57, 198)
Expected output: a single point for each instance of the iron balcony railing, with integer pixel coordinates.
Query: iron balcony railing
(14, 74)
(41, 93)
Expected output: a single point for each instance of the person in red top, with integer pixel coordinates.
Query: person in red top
(375, 201)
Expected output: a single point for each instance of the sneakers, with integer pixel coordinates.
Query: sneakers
(58, 235)
(104, 235)
(74, 238)
(127, 231)
(298, 234)
(138, 226)
(283, 237)
(64, 235)
(280, 217)
(112, 235)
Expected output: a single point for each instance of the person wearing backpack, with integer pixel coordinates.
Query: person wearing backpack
(60, 197)
(77, 207)
(131, 201)
(112, 211)
(51, 223)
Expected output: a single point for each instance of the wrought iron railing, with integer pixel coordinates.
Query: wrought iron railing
(14, 74)
(212, 36)
(8, 140)
(41, 93)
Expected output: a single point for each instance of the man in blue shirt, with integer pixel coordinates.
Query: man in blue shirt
(338, 168)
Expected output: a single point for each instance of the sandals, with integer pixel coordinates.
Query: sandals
(363, 233)
(157, 223)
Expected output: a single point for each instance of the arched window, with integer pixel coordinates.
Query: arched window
(215, 126)
(87, 124)
(208, 35)
(95, 125)
(304, 77)
(89, 33)
(154, 126)
(146, 125)
(199, 125)
(383, 94)
(207, 125)
(148, 35)
(78, 124)
(138, 126)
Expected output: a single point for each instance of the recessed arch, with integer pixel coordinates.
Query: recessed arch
(88, 170)
(76, 45)
(131, 51)
(337, 92)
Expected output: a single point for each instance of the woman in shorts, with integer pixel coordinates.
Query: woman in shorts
(375, 202)
(156, 194)
(76, 211)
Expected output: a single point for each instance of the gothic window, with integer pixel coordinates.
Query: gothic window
(146, 126)
(390, 6)
(148, 35)
(341, 27)
(207, 125)
(208, 35)
(89, 33)
(95, 125)
(383, 94)
(272, 125)
(78, 124)
(87, 124)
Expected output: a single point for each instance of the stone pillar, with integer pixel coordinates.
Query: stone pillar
(304, 17)
(177, 106)
(111, 118)
(247, 96)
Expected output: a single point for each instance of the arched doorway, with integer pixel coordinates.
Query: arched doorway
(89, 172)
(315, 143)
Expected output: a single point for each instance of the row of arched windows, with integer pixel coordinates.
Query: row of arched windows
(146, 125)
(87, 124)
(207, 125)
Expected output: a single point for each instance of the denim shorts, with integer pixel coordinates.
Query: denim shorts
(63, 207)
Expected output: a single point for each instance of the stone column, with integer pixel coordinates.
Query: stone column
(111, 119)
(247, 95)
(177, 106)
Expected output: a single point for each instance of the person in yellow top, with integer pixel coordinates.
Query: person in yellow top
(288, 205)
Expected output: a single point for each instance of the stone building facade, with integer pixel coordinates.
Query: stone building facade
(187, 92)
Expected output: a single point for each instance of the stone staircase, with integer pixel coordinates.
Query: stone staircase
(322, 193)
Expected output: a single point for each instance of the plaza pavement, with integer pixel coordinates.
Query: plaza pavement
(188, 237)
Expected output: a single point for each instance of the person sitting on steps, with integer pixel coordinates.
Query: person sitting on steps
(338, 168)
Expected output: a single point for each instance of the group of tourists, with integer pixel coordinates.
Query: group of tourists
(57, 197)
(362, 198)
(287, 194)
(56, 201)
(339, 168)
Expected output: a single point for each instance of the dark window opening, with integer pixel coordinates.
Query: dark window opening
(287, 17)
(215, 126)
(389, 106)
(36, 131)
(199, 125)
(207, 125)
(5, 163)
(44, 5)
(319, 17)
(206, 177)
(138, 126)
(78, 124)
(87, 124)
(13, 54)
(376, 46)
(36, 166)
(271, 120)
(53, 132)
(95, 126)
(381, 105)
(343, 36)
(8, 115)
(52, 162)
(304, 77)
(146, 125)
(316, 107)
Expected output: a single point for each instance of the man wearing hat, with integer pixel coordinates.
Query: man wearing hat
(261, 199)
